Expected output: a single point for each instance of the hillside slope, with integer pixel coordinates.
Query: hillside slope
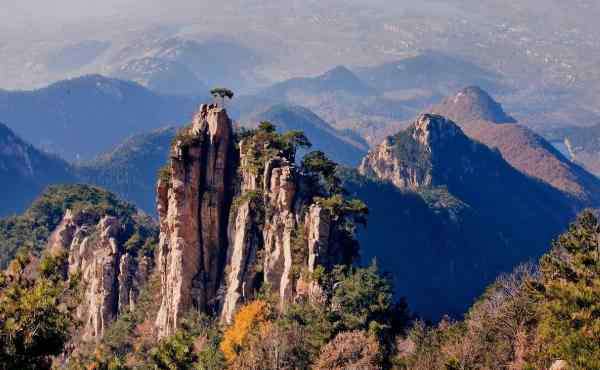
(25, 172)
(82, 117)
(503, 217)
(130, 169)
(343, 147)
(484, 120)
(93, 235)
(581, 144)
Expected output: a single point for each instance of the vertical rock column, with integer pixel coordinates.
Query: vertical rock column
(280, 187)
(193, 206)
(109, 276)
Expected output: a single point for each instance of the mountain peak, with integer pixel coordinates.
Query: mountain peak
(339, 73)
(341, 78)
(473, 104)
(430, 129)
(428, 153)
(338, 79)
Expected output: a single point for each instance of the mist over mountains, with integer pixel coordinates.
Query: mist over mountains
(300, 184)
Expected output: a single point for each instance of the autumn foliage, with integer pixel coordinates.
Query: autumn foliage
(248, 318)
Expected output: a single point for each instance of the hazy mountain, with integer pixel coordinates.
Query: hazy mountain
(217, 62)
(580, 144)
(478, 115)
(163, 76)
(82, 117)
(339, 79)
(534, 47)
(130, 169)
(25, 172)
(440, 73)
(343, 147)
(474, 104)
(338, 96)
(76, 55)
(486, 216)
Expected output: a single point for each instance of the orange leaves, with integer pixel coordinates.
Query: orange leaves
(245, 320)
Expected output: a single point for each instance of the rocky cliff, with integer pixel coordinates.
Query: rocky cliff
(407, 159)
(108, 249)
(236, 213)
(110, 275)
(463, 214)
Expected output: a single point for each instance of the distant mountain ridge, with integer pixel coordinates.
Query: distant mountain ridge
(163, 76)
(473, 103)
(343, 147)
(131, 168)
(82, 117)
(216, 61)
(479, 116)
(25, 171)
(338, 79)
(581, 144)
(439, 71)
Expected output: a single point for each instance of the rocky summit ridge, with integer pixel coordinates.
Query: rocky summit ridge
(236, 214)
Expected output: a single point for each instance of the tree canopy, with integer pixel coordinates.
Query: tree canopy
(222, 93)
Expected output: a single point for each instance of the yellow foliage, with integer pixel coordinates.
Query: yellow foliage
(247, 318)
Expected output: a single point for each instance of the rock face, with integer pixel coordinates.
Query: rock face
(111, 277)
(193, 209)
(471, 214)
(232, 218)
(412, 169)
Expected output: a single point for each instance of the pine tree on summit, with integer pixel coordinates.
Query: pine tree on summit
(222, 93)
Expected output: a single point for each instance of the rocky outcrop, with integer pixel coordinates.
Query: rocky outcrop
(110, 276)
(413, 168)
(193, 209)
(233, 218)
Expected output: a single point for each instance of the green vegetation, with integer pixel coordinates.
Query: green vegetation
(362, 299)
(264, 143)
(194, 346)
(222, 93)
(528, 319)
(164, 174)
(356, 300)
(31, 230)
(35, 313)
(569, 296)
(253, 197)
(185, 139)
(322, 170)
